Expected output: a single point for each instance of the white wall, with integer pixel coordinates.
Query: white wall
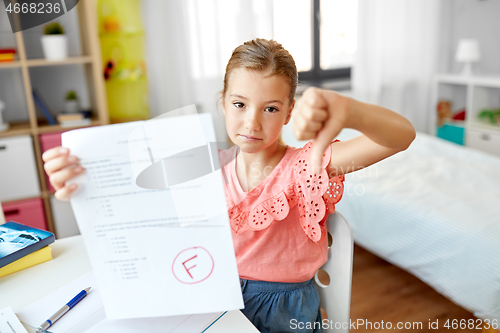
(478, 19)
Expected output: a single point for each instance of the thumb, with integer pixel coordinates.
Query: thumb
(328, 132)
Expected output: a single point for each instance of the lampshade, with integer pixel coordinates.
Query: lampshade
(467, 50)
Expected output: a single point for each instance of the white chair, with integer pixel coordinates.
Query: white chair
(335, 297)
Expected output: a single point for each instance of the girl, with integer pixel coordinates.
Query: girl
(278, 196)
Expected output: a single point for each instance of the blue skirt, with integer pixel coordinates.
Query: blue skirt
(282, 307)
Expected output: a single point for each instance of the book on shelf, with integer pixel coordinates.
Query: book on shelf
(18, 240)
(7, 55)
(32, 259)
(50, 119)
(69, 117)
(76, 123)
(78, 119)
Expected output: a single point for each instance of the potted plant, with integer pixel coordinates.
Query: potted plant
(71, 104)
(54, 42)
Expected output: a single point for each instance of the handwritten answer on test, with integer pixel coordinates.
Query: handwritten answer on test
(158, 251)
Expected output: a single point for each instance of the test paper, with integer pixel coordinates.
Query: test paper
(158, 251)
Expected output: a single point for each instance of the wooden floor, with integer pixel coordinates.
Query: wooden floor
(384, 292)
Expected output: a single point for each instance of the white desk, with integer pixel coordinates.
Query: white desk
(70, 261)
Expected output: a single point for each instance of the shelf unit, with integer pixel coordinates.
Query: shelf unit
(91, 60)
(473, 93)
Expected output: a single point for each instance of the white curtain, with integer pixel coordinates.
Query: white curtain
(397, 55)
(189, 43)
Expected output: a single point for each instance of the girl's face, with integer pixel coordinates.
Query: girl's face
(256, 107)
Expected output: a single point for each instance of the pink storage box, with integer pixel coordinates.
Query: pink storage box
(47, 141)
(29, 212)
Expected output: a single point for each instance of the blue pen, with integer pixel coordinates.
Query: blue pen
(49, 322)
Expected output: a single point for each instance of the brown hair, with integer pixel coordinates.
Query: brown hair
(263, 55)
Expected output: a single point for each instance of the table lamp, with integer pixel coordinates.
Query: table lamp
(467, 52)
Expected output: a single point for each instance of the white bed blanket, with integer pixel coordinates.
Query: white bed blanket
(434, 210)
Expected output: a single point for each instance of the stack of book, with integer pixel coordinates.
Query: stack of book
(77, 119)
(73, 119)
(22, 246)
(7, 55)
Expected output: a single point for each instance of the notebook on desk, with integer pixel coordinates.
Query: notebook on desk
(89, 315)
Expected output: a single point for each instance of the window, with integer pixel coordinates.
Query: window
(320, 34)
(292, 27)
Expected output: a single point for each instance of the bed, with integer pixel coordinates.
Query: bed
(434, 211)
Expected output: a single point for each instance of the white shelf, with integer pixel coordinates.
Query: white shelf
(28, 45)
(68, 61)
(453, 79)
(10, 64)
(483, 127)
(474, 93)
(487, 81)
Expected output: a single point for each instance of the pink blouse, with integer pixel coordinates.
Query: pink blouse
(278, 227)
